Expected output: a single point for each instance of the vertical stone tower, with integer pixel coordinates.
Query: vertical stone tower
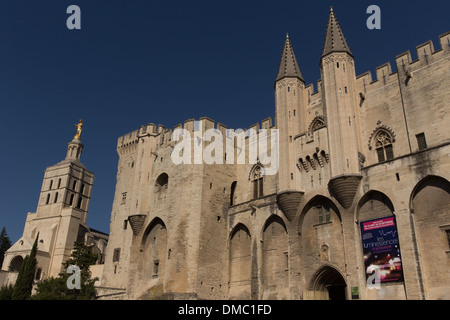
(290, 120)
(342, 115)
(61, 211)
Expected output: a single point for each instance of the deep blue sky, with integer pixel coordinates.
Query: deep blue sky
(138, 62)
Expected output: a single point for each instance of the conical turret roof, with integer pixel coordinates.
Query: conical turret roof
(334, 40)
(288, 66)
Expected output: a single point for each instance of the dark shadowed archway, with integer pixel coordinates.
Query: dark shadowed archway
(327, 283)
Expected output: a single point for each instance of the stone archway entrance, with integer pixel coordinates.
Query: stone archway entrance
(326, 284)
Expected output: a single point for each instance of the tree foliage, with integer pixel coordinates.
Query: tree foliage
(56, 288)
(25, 278)
(5, 244)
(6, 292)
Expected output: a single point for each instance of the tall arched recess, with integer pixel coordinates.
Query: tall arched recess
(380, 246)
(275, 260)
(153, 256)
(430, 204)
(240, 263)
(321, 241)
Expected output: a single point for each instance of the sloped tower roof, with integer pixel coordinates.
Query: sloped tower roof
(288, 66)
(334, 39)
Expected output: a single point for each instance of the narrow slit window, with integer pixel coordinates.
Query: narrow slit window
(155, 268)
(116, 255)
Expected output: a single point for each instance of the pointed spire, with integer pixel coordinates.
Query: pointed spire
(334, 40)
(288, 66)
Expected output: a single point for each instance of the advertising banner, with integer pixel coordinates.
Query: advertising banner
(381, 250)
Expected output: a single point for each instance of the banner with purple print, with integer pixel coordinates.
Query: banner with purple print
(381, 249)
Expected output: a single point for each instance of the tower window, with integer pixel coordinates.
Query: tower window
(421, 141)
(337, 64)
(82, 188)
(74, 185)
(80, 202)
(233, 189)
(59, 183)
(51, 184)
(71, 199)
(48, 199)
(56, 197)
(116, 255)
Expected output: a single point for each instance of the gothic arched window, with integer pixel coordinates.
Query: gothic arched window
(257, 178)
(317, 123)
(383, 145)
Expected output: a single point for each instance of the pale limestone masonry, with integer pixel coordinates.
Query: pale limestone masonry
(59, 221)
(358, 149)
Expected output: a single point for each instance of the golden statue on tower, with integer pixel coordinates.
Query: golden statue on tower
(79, 127)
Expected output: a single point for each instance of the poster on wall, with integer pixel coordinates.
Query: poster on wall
(381, 250)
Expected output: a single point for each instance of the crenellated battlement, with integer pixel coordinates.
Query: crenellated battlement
(128, 142)
(426, 55)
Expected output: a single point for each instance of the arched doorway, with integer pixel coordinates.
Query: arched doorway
(326, 283)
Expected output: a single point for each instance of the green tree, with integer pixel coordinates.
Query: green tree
(56, 288)
(6, 292)
(5, 244)
(25, 278)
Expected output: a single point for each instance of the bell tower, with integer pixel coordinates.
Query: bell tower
(61, 213)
